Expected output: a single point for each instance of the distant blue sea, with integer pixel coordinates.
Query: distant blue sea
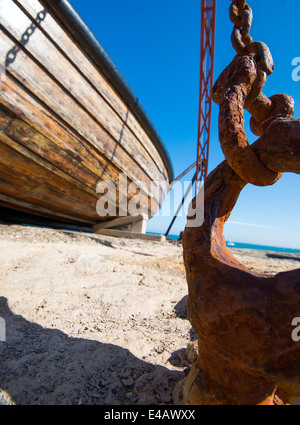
(173, 237)
(249, 246)
(261, 247)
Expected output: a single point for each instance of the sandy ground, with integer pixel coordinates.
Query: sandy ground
(97, 320)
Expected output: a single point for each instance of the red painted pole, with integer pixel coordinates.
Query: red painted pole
(207, 51)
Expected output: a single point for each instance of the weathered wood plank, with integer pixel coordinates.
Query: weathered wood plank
(119, 222)
(31, 144)
(18, 135)
(131, 235)
(49, 134)
(21, 144)
(34, 145)
(54, 32)
(62, 157)
(35, 114)
(139, 226)
(114, 156)
(8, 157)
(29, 181)
(87, 108)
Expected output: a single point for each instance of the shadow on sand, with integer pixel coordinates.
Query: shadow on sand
(283, 257)
(47, 367)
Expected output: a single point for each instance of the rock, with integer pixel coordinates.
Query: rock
(128, 383)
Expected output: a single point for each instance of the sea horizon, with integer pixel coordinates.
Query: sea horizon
(242, 245)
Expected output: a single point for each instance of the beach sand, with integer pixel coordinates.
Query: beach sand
(98, 320)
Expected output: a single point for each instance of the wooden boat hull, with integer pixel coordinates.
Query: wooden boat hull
(67, 121)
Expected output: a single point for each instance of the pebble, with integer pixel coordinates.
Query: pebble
(128, 383)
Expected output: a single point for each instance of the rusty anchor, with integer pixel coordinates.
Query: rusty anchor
(243, 319)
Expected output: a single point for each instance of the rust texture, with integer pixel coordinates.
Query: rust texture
(231, 91)
(243, 319)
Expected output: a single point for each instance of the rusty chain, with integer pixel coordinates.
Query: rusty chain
(240, 87)
(241, 16)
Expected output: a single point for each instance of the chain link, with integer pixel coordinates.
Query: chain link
(241, 16)
(240, 87)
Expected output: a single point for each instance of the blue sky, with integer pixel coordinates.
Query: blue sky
(155, 45)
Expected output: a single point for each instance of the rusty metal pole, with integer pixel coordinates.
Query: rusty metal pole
(181, 204)
(207, 52)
